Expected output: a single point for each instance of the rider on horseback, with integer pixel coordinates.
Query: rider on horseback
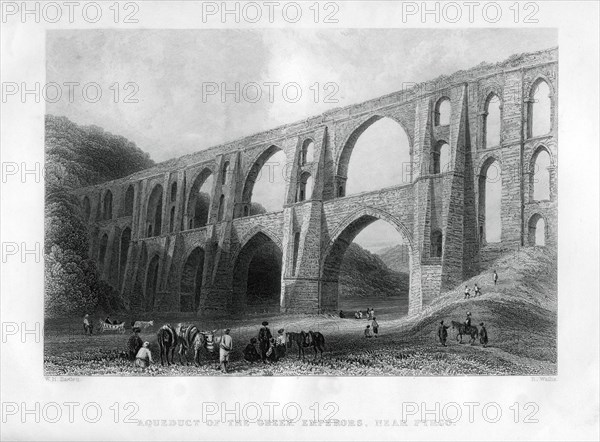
(468, 320)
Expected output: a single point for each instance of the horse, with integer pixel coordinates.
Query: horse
(142, 325)
(167, 342)
(463, 329)
(316, 340)
(190, 336)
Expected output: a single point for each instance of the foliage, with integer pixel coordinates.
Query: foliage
(78, 156)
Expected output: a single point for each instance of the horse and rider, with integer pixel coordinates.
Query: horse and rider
(465, 328)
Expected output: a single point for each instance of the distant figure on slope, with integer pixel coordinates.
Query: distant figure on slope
(477, 291)
(495, 277)
(87, 325)
(443, 333)
(342, 315)
(467, 292)
(483, 336)
(368, 333)
(375, 326)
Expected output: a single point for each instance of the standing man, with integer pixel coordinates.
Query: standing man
(224, 348)
(443, 333)
(264, 339)
(483, 336)
(477, 291)
(375, 326)
(467, 292)
(495, 277)
(87, 326)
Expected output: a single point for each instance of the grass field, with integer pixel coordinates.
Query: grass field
(519, 313)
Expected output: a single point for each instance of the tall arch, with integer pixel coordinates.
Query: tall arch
(441, 159)
(256, 173)
(173, 195)
(154, 211)
(443, 109)
(377, 154)
(341, 239)
(199, 200)
(490, 202)
(151, 284)
(127, 203)
(191, 281)
(123, 251)
(539, 175)
(540, 109)
(305, 186)
(537, 230)
(107, 205)
(257, 274)
(307, 152)
(492, 121)
(224, 173)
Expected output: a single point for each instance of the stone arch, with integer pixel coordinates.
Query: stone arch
(198, 204)
(536, 192)
(224, 172)
(534, 108)
(127, 202)
(307, 151)
(345, 153)
(252, 233)
(442, 111)
(487, 216)
(492, 120)
(154, 212)
(436, 244)
(102, 251)
(254, 171)
(191, 280)
(305, 187)
(151, 286)
(441, 160)
(537, 230)
(242, 269)
(173, 194)
(87, 208)
(107, 205)
(124, 241)
(341, 239)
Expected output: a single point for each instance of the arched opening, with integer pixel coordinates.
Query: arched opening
(246, 210)
(173, 191)
(221, 211)
(102, 250)
(367, 265)
(304, 187)
(376, 155)
(123, 251)
(87, 209)
(154, 212)
(191, 281)
(198, 207)
(436, 244)
(151, 284)
(537, 231)
(264, 189)
(224, 173)
(492, 121)
(257, 276)
(127, 205)
(490, 202)
(441, 160)
(443, 109)
(540, 175)
(107, 205)
(296, 252)
(307, 153)
(540, 108)
(172, 220)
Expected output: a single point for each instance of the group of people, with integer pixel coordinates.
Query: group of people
(270, 349)
(477, 290)
(369, 314)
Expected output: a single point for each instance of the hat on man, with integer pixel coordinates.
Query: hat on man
(265, 323)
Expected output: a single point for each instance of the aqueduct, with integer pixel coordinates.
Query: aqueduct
(164, 245)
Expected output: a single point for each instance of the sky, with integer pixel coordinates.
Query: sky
(165, 90)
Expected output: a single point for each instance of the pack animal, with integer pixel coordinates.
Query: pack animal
(167, 343)
(463, 329)
(190, 337)
(142, 325)
(304, 340)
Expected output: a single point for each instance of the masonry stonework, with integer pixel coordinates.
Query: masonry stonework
(142, 233)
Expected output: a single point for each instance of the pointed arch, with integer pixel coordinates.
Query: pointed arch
(154, 211)
(539, 174)
(305, 187)
(307, 152)
(490, 201)
(254, 173)
(127, 203)
(442, 111)
(537, 230)
(107, 202)
(123, 252)
(492, 121)
(191, 281)
(199, 200)
(539, 121)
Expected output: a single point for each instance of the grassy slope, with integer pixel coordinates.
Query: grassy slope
(520, 315)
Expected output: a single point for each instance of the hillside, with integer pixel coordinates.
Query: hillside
(364, 274)
(396, 257)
